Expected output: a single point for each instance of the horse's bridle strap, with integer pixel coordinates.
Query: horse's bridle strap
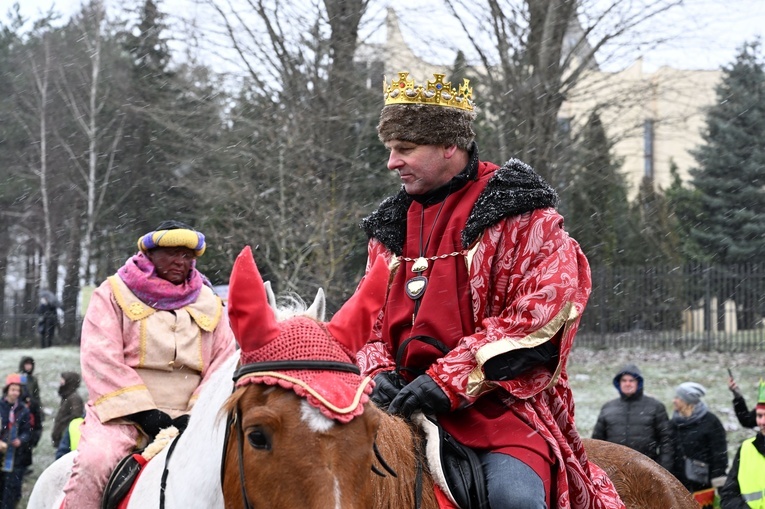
(309, 365)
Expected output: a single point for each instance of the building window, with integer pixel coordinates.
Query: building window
(648, 137)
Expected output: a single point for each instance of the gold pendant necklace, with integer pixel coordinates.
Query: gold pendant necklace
(416, 286)
(420, 264)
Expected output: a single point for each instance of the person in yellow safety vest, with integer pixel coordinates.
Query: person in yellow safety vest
(70, 438)
(744, 487)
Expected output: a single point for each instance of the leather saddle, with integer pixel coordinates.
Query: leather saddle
(454, 467)
(122, 479)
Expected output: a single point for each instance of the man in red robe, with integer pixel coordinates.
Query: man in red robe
(484, 304)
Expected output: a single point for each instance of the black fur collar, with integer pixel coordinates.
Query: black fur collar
(514, 189)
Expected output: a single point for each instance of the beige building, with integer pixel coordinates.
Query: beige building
(654, 118)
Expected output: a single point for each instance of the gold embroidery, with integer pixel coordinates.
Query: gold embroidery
(536, 338)
(120, 392)
(135, 309)
(204, 321)
(296, 381)
(477, 384)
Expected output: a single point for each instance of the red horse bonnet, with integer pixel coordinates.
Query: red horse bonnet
(312, 358)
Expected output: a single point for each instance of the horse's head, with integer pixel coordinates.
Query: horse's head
(302, 431)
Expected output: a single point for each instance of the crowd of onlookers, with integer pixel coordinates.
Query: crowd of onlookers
(21, 425)
(691, 444)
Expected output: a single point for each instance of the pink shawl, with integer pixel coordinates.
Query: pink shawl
(140, 276)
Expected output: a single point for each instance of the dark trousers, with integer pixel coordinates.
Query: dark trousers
(11, 487)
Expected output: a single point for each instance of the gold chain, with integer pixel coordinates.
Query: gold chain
(434, 258)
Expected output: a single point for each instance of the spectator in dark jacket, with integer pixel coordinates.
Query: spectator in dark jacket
(633, 419)
(24, 454)
(71, 405)
(15, 432)
(744, 487)
(746, 418)
(699, 435)
(29, 386)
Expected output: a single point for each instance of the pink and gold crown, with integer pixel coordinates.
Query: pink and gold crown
(437, 92)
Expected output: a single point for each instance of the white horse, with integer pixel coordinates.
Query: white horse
(193, 478)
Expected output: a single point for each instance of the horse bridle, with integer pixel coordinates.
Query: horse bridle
(236, 419)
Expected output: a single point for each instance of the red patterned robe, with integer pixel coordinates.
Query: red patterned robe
(503, 275)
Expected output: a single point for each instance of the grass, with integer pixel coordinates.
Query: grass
(590, 374)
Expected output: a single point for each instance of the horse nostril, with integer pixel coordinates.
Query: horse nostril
(259, 438)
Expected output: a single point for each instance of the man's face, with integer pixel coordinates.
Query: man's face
(628, 384)
(421, 168)
(172, 263)
(760, 415)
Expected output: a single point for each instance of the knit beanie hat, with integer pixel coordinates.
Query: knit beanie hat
(13, 378)
(761, 395)
(173, 234)
(432, 114)
(690, 392)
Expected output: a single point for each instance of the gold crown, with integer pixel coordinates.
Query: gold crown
(404, 91)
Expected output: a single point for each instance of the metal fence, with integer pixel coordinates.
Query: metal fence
(707, 307)
(20, 331)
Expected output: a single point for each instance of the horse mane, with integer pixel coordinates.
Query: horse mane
(400, 446)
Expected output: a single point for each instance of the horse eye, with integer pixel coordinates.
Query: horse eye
(259, 439)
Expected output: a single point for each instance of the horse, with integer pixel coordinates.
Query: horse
(265, 445)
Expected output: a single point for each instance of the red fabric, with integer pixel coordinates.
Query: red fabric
(338, 395)
(142, 461)
(485, 425)
(525, 274)
(446, 295)
(442, 499)
(705, 498)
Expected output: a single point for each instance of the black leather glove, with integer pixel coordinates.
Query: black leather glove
(510, 365)
(424, 394)
(387, 385)
(181, 422)
(151, 421)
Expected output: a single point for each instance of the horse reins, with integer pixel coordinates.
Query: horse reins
(236, 419)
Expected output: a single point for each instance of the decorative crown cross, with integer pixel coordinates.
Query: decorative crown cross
(437, 92)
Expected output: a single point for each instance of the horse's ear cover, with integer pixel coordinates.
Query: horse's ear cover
(316, 359)
(250, 314)
(353, 323)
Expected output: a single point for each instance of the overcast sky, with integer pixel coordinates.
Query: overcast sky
(704, 34)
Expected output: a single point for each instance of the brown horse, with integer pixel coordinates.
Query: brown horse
(320, 464)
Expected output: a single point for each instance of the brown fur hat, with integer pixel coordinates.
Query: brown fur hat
(426, 124)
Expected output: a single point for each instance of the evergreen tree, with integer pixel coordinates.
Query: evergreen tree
(597, 211)
(657, 225)
(683, 211)
(730, 176)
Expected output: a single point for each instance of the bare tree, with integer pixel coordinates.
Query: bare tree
(32, 116)
(531, 54)
(304, 115)
(81, 88)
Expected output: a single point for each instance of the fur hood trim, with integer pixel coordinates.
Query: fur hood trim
(514, 189)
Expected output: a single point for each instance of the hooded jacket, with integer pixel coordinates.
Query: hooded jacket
(30, 386)
(71, 406)
(637, 421)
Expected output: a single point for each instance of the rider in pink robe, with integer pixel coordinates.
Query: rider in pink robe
(152, 336)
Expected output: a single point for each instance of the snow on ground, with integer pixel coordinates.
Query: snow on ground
(590, 374)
